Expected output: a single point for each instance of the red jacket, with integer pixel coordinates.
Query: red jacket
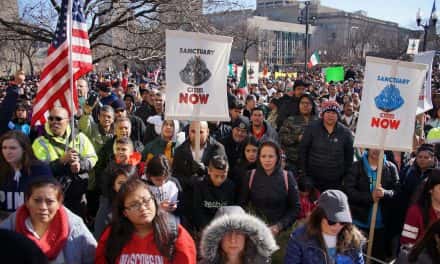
(144, 250)
(414, 227)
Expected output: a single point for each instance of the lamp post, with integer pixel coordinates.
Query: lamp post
(307, 20)
(432, 21)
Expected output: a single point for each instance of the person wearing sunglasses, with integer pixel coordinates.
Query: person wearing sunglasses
(328, 235)
(70, 160)
(140, 230)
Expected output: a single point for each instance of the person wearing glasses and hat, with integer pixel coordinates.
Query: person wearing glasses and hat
(328, 235)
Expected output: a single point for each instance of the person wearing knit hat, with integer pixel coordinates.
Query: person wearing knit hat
(234, 234)
(326, 149)
(234, 141)
(330, 106)
(424, 212)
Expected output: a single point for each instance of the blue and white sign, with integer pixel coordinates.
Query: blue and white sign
(389, 103)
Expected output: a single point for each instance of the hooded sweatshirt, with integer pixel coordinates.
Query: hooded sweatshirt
(260, 241)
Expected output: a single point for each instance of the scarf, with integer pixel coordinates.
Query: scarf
(55, 238)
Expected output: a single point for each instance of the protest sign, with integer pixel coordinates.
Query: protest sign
(335, 74)
(196, 73)
(413, 46)
(252, 72)
(425, 102)
(388, 107)
(387, 114)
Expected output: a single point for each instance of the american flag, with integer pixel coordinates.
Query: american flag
(54, 89)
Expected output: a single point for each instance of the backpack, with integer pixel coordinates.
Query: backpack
(286, 180)
(173, 228)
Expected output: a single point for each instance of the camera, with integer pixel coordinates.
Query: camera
(92, 98)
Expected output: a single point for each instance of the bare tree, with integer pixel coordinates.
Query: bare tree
(127, 29)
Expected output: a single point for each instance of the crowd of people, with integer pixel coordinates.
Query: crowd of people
(279, 183)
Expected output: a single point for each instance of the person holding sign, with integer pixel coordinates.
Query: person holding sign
(188, 170)
(361, 190)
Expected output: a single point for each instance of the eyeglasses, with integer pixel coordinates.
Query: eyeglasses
(138, 205)
(55, 118)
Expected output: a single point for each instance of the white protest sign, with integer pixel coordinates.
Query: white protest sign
(388, 107)
(425, 102)
(252, 68)
(413, 46)
(196, 74)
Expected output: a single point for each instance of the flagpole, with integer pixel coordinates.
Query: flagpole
(72, 103)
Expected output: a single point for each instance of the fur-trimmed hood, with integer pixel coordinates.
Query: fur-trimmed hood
(260, 243)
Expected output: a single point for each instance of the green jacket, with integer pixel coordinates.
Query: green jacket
(293, 127)
(93, 132)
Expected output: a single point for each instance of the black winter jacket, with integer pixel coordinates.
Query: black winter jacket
(326, 158)
(208, 198)
(186, 169)
(269, 197)
(288, 107)
(357, 188)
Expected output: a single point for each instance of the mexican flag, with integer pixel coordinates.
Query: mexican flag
(314, 59)
(243, 77)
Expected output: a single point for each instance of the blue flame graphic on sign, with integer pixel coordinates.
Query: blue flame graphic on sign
(389, 99)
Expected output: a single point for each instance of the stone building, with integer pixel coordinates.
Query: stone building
(338, 35)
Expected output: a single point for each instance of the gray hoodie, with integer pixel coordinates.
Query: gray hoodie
(260, 244)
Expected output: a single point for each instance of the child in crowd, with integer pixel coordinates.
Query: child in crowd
(213, 192)
(118, 177)
(164, 187)
(308, 196)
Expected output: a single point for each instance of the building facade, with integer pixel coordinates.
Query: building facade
(339, 36)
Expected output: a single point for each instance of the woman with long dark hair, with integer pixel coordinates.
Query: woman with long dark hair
(293, 128)
(140, 229)
(272, 192)
(328, 235)
(427, 250)
(424, 212)
(18, 165)
(247, 162)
